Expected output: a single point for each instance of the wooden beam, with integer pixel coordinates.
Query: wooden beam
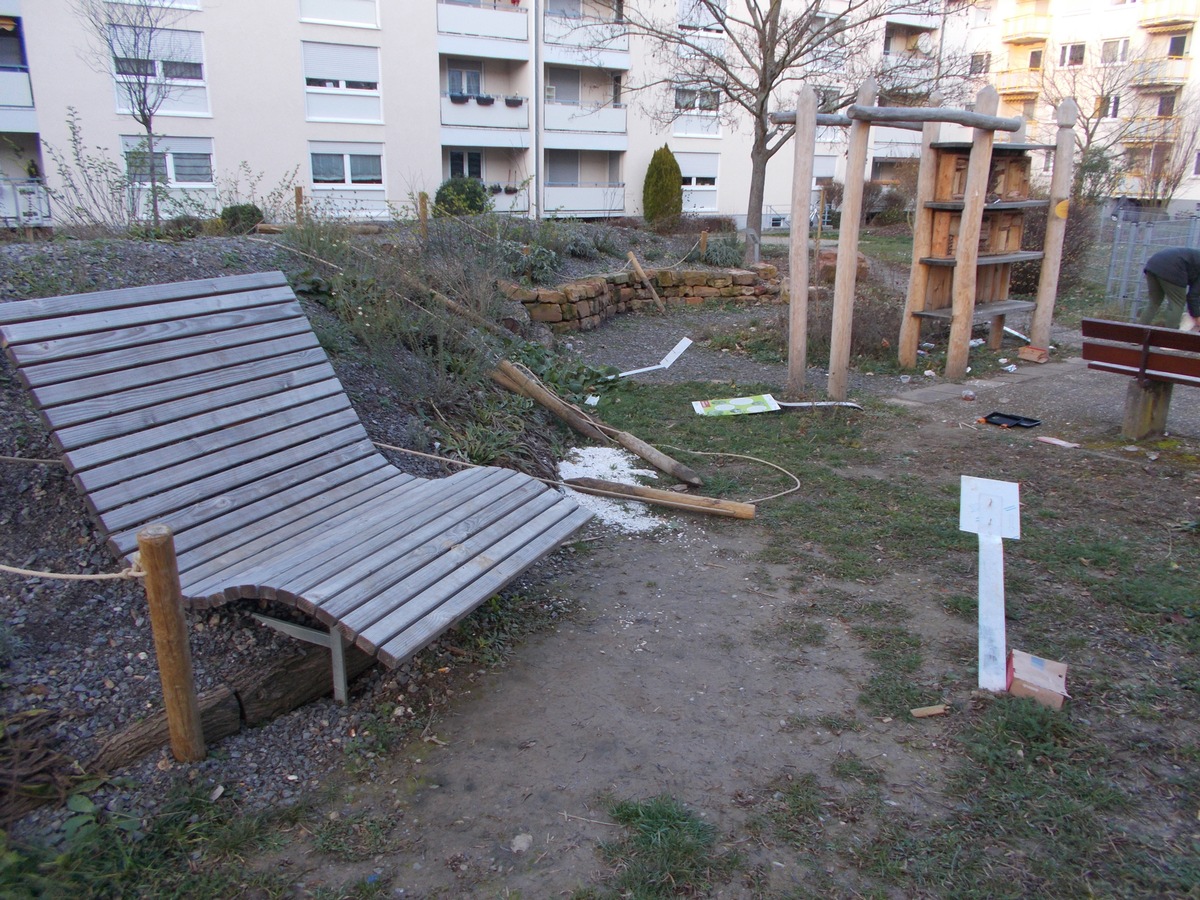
(845, 272)
(710, 505)
(826, 120)
(640, 272)
(802, 177)
(918, 279)
(1056, 226)
(892, 115)
(967, 254)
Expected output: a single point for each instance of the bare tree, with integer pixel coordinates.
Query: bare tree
(1159, 166)
(746, 56)
(132, 41)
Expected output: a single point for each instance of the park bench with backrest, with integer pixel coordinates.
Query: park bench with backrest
(1156, 358)
(210, 406)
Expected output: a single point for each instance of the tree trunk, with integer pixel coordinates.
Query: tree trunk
(758, 184)
(153, 177)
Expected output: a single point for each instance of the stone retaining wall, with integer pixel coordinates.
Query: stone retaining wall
(583, 305)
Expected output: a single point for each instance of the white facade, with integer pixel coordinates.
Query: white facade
(365, 103)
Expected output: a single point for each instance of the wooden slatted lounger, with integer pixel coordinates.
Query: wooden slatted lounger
(211, 407)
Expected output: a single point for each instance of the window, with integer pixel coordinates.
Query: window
(569, 8)
(1112, 52)
(346, 165)
(1035, 59)
(1048, 161)
(468, 163)
(341, 83)
(698, 174)
(1107, 107)
(1177, 46)
(1196, 165)
(562, 167)
(696, 112)
(1166, 105)
(697, 100)
(12, 53)
(165, 64)
(980, 63)
(178, 161)
(1071, 54)
(562, 84)
(1029, 110)
(701, 15)
(361, 13)
(464, 76)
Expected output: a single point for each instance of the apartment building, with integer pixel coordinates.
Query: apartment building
(1128, 63)
(365, 103)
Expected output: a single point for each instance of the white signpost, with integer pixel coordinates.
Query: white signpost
(992, 510)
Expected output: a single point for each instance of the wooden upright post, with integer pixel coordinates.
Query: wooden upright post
(802, 176)
(423, 215)
(918, 279)
(967, 255)
(1056, 226)
(847, 258)
(299, 205)
(156, 546)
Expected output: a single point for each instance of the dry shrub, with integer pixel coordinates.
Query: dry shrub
(1078, 244)
(878, 313)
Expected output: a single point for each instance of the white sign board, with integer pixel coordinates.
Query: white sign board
(990, 508)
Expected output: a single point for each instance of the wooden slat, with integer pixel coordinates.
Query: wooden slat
(341, 543)
(456, 607)
(983, 311)
(993, 259)
(276, 373)
(1127, 332)
(62, 361)
(385, 614)
(222, 467)
(78, 323)
(1151, 374)
(156, 422)
(149, 296)
(115, 461)
(216, 369)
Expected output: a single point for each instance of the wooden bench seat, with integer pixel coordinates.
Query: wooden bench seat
(1156, 358)
(210, 406)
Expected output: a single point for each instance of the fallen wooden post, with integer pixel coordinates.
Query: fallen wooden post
(710, 505)
(641, 273)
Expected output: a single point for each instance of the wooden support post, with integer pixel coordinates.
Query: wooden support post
(299, 205)
(156, 546)
(423, 215)
(802, 176)
(641, 274)
(847, 258)
(918, 279)
(703, 245)
(1056, 226)
(967, 255)
(1146, 408)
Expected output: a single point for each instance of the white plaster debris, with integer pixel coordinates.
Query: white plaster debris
(611, 464)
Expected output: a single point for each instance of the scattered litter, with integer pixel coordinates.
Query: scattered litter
(592, 400)
(1034, 354)
(1043, 680)
(976, 342)
(929, 373)
(927, 346)
(1058, 442)
(1010, 368)
(1003, 360)
(924, 712)
(759, 403)
(905, 379)
(813, 404)
(1130, 448)
(521, 843)
(968, 395)
(1006, 420)
(616, 465)
(667, 361)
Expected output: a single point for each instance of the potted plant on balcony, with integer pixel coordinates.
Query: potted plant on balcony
(510, 189)
(494, 188)
(485, 99)
(513, 101)
(458, 98)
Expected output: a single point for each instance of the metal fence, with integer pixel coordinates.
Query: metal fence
(1136, 236)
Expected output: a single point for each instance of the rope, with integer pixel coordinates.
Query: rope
(131, 572)
(30, 459)
(791, 490)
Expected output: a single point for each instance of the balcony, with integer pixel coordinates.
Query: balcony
(584, 41)
(595, 119)
(1163, 72)
(1167, 15)
(16, 102)
(501, 123)
(1027, 29)
(586, 199)
(925, 16)
(1153, 130)
(1019, 82)
(489, 30)
(517, 202)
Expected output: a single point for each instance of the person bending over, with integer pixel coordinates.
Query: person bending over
(1173, 275)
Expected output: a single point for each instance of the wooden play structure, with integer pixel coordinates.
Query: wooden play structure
(970, 206)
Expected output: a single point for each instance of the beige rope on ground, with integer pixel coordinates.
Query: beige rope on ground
(131, 572)
(30, 459)
(791, 490)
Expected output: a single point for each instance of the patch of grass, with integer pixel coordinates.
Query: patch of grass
(803, 634)
(890, 248)
(668, 851)
(849, 767)
(354, 838)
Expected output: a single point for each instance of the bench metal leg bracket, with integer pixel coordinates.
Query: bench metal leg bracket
(333, 639)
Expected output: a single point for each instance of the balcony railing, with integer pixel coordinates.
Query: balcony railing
(586, 34)
(1028, 29)
(1153, 130)
(1156, 14)
(15, 89)
(502, 112)
(1019, 81)
(490, 20)
(606, 119)
(593, 198)
(1164, 71)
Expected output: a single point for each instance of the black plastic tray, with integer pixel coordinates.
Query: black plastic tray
(1007, 420)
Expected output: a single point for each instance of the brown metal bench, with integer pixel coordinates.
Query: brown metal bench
(1156, 358)
(210, 406)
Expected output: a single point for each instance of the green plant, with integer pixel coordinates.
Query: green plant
(726, 252)
(92, 190)
(531, 262)
(241, 218)
(662, 192)
(461, 196)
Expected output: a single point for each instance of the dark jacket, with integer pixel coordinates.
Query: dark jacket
(1179, 266)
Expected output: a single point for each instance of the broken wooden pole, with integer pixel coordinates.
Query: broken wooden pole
(802, 176)
(641, 274)
(711, 505)
(299, 205)
(156, 547)
(652, 455)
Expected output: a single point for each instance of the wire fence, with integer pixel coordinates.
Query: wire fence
(1136, 236)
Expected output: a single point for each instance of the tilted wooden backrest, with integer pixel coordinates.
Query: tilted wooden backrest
(1162, 354)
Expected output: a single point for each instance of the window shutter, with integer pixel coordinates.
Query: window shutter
(178, 46)
(341, 62)
(698, 165)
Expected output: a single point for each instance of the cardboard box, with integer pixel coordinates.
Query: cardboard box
(1043, 680)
